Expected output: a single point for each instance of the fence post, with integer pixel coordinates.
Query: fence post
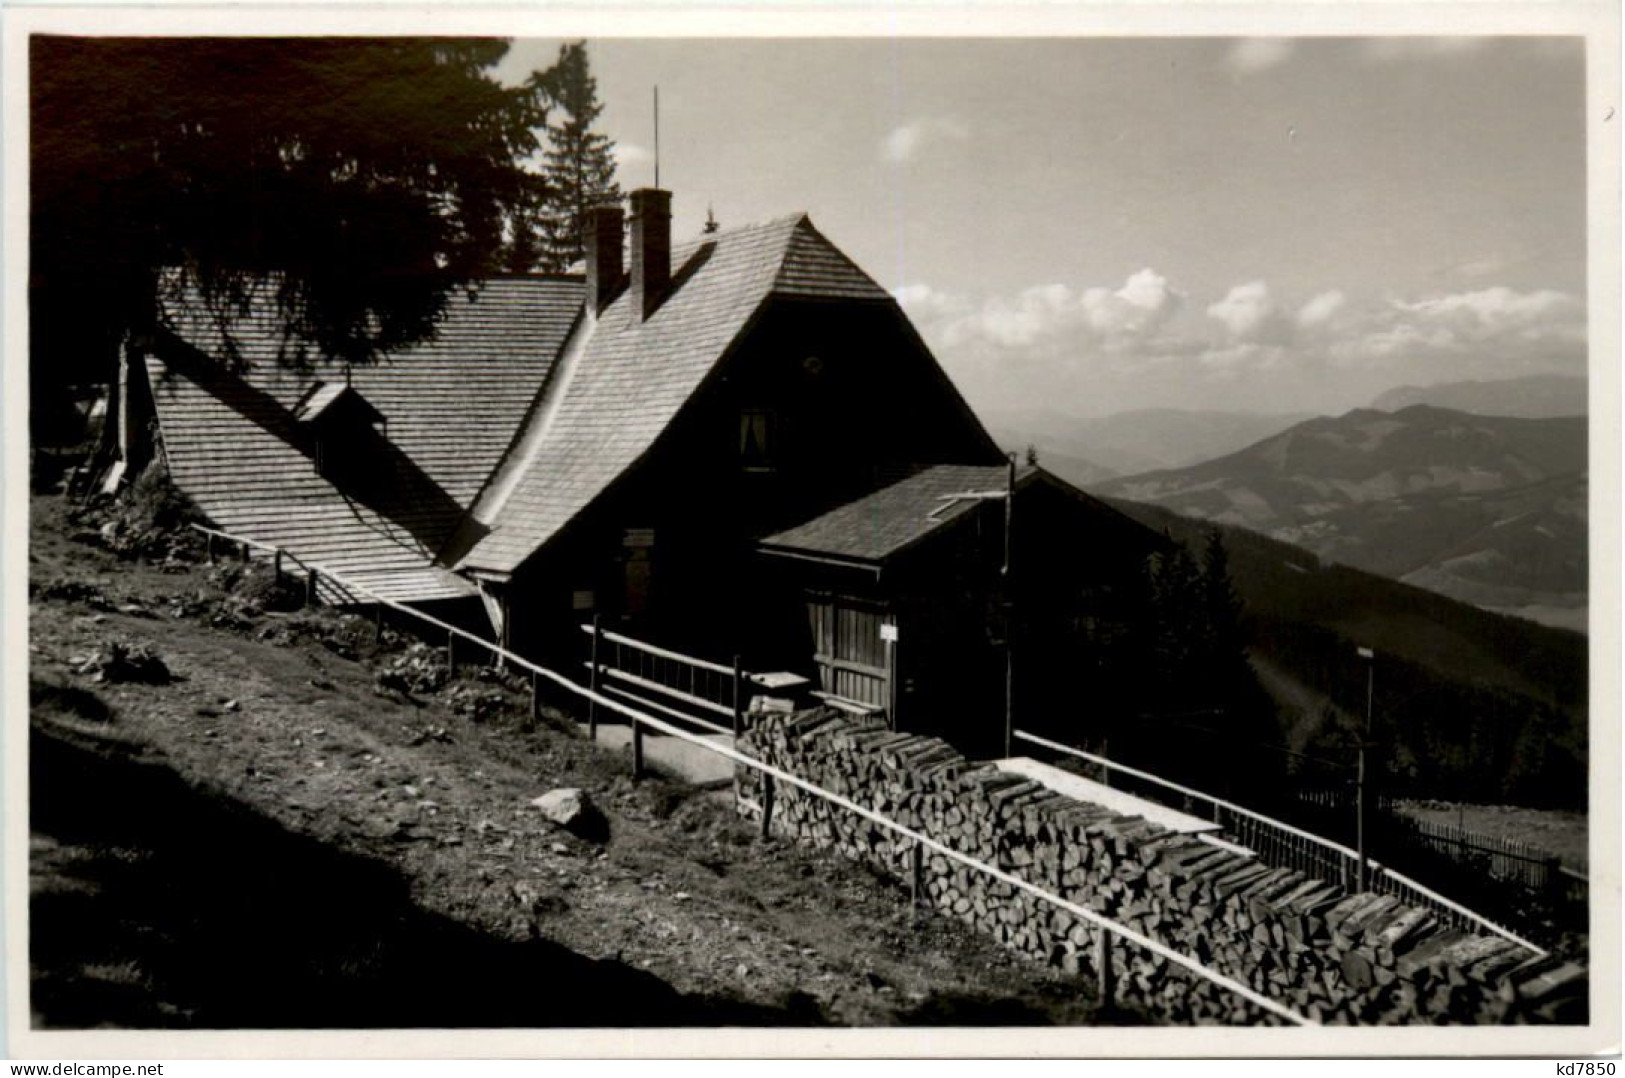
(1552, 880)
(1103, 964)
(592, 685)
(1060, 864)
(739, 696)
(767, 803)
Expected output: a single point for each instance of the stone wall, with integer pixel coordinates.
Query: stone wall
(1332, 956)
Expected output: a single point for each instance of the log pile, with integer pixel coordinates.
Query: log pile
(1332, 956)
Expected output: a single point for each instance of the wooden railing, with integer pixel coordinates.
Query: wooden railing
(692, 690)
(1284, 846)
(642, 721)
(284, 564)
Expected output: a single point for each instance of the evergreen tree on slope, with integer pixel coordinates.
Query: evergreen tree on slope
(579, 162)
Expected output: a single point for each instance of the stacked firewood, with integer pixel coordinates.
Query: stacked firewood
(1329, 955)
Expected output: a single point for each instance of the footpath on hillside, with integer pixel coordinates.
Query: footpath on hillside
(244, 813)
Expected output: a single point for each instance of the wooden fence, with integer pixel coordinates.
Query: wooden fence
(1284, 846)
(642, 721)
(1439, 849)
(1504, 859)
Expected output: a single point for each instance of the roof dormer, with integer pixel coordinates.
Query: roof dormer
(342, 428)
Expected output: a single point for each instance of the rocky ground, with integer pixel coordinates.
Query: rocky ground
(247, 814)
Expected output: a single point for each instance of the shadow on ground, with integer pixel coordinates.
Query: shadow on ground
(157, 905)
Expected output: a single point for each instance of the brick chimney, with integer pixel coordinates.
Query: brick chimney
(651, 247)
(601, 241)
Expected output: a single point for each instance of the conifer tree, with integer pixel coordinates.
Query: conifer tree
(579, 162)
(367, 177)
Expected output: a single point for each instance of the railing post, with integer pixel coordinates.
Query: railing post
(311, 596)
(739, 699)
(451, 653)
(767, 804)
(592, 685)
(276, 566)
(1103, 966)
(637, 748)
(916, 891)
(209, 545)
(377, 623)
(244, 551)
(535, 697)
(1060, 865)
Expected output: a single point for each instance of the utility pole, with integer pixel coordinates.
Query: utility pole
(1360, 776)
(1009, 609)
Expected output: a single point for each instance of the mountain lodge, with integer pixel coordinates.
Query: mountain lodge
(736, 446)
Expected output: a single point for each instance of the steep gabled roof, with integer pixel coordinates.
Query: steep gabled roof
(452, 404)
(620, 385)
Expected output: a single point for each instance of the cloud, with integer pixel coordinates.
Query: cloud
(1247, 344)
(905, 142)
(1496, 327)
(1493, 312)
(1250, 55)
(1321, 309)
(1393, 49)
(1050, 318)
(629, 153)
(925, 303)
(1250, 314)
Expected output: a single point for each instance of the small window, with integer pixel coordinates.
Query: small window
(756, 440)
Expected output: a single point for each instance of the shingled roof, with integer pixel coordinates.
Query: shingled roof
(452, 405)
(893, 519)
(623, 381)
(511, 421)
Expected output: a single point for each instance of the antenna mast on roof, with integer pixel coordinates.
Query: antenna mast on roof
(657, 136)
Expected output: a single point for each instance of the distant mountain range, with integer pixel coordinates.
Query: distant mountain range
(1487, 509)
(1538, 396)
(1086, 450)
(1469, 704)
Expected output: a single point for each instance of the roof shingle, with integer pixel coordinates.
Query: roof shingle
(632, 376)
(452, 406)
(895, 518)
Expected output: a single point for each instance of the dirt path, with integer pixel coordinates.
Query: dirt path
(270, 840)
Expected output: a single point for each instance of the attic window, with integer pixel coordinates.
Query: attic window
(756, 440)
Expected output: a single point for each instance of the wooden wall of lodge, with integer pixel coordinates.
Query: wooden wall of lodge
(872, 408)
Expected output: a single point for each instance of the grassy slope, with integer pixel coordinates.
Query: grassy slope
(268, 841)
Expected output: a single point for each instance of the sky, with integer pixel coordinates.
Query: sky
(1091, 225)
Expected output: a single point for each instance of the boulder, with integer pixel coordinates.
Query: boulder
(571, 809)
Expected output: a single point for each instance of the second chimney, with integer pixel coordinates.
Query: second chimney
(651, 247)
(601, 243)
